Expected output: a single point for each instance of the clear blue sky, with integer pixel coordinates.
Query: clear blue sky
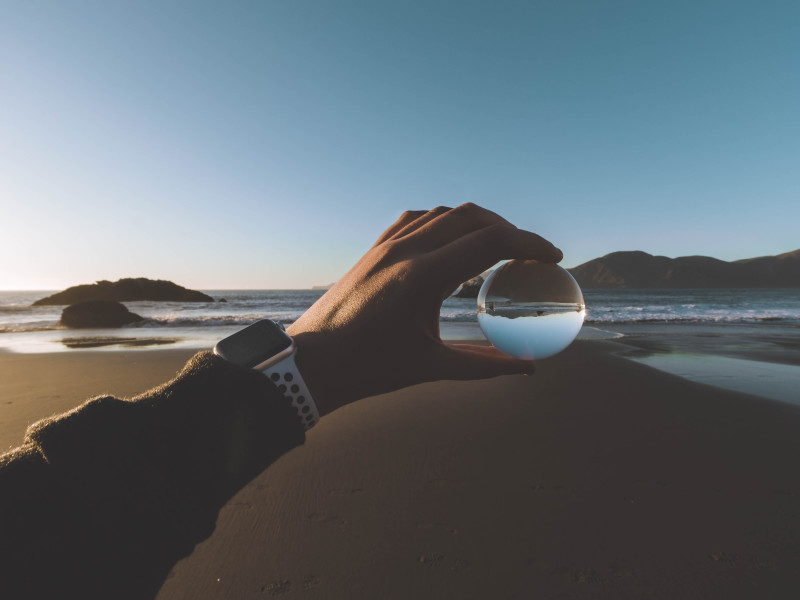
(267, 144)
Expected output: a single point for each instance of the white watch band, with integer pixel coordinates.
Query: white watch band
(287, 378)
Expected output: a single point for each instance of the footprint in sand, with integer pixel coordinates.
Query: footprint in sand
(460, 564)
(589, 576)
(434, 559)
(277, 588)
(759, 564)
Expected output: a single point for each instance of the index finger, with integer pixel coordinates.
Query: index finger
(475, 252)
(444, 226)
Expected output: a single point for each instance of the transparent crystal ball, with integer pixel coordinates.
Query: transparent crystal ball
(529, 309)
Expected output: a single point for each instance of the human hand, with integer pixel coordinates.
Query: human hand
(377, 329)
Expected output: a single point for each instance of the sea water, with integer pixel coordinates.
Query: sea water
(24, 327)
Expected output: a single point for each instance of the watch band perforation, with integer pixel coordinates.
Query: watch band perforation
(287, 378)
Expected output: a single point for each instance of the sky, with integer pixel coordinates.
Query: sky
(267, 144)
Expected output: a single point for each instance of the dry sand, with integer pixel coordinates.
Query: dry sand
(595, 478)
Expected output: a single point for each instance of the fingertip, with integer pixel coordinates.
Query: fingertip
(552, 254)
(534, 246)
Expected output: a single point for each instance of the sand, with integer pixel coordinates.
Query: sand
(35, 386)
(598, 477)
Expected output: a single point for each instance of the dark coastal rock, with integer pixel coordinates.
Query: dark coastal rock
(470, 288)
(640, 270)
(97, 313)
(126, 290)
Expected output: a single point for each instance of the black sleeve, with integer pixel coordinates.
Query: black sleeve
(103, 500)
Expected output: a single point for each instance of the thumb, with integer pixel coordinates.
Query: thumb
(466, 361)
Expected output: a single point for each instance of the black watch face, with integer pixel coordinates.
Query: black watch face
(255, 344)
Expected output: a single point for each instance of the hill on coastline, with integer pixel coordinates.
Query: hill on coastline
(638, 269)
(126, 290)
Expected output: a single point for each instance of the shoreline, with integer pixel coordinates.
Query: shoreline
(758, 359)
(61, 380)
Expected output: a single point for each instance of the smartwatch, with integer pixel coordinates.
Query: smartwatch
(266, 347)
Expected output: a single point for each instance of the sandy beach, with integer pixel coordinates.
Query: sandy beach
(597, 477)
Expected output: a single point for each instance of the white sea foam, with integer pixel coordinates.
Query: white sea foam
(604, 308)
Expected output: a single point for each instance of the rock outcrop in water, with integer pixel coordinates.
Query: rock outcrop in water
(97, 314)
(470, 288)
(640, 270)
(126, 290)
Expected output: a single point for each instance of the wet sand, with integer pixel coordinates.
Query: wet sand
(595, 478)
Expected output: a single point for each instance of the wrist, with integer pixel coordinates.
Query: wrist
(315, 364)
(341, 367)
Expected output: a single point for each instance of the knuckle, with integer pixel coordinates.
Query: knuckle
(390, 251)
(478, 214)
(470, 208)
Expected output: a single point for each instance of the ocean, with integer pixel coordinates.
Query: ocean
(26, 328)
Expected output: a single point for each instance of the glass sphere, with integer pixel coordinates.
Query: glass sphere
(529, 309)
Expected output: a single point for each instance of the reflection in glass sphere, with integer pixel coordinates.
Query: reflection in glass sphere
(529, 309)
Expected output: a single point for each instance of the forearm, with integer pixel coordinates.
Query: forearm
(125, 488)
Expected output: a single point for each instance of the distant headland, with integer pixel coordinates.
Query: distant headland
(126, 290)
(641, 270)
